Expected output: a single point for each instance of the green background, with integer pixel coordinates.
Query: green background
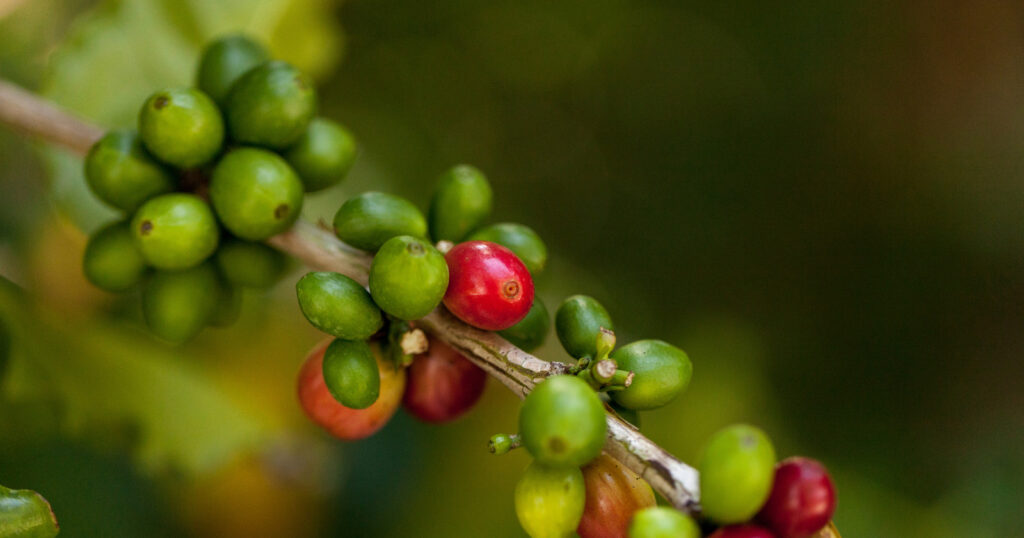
(821, 202)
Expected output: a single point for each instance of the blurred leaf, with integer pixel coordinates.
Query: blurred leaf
(122, 51)
(107, 381)
(25, 514)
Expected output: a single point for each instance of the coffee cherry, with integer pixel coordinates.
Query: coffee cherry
(742, 531)
(461, 203)
(344, 422)
(408, 277)
(802, 499)
(489, 287)
(121, 173)
(520, 239)
(270, 105)
(255, 193)
(249, 264)
(531, 331)
(661, 372)
(368, 220)
(562, 422)
(323, 155)
(442, 384)
(577, 322)
(549, 500)
(338, 305)
(181, 127)
(736, 473)
(178, 304)
(224, 61)
(662, 522)
(614, 494)
(112, 261)
(350, 373)
(175, 231)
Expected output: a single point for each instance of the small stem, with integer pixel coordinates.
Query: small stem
(502, 443)
(603, 370)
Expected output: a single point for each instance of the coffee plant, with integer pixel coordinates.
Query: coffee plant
(418, 309)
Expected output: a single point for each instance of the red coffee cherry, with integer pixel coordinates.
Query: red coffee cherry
(442, 384)
(340, 421)
(614, 494)
(802, 500)
(742, 531)
(488, 286)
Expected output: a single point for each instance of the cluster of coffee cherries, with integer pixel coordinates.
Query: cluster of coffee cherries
(209, 173)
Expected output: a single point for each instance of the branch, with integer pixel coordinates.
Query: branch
(320, 249)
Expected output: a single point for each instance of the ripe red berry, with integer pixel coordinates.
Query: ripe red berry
(488, 286)
(614, 494)
(742, 531)
(802, 500)
(442, 384)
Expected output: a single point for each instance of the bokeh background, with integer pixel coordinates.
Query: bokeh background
(822, 202)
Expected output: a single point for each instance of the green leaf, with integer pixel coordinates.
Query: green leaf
(25, 514)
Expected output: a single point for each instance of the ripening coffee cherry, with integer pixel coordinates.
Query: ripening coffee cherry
(742, 531)
(323, 155)
(255, 193)
(175, 231)
(549, 500)
(270, 105)
(121, 174)
(577, 322)
(408, 277)
(249, 264)
(338, 305)
(178, 304)
(368, 220)
(350, 373)
(112, 262)
(661, 372)
(614, 494)
(562, 422)
(802, 500)
(224, 61)
(663, 522)
(344, 422)
(518, 238)
(442, 384)
(461, 203)
(489, 287)
(736, 473)
(182, 127)
(531, 331)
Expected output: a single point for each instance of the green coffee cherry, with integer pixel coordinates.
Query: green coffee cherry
(531, 331)
(271, 105)
(229, 305)
(368, 220)
(224, 61)
(249, 264)
(121, 173)
(661, 372)
(178, 304)
(175, 231)
(461, 203)
(255, 193)
(408, 277)
(181, 127)
(323, 155)
(112, 261)
(550, 500)
(578, 321)
(338, 305)
(736, 473)
(350, 373)
(520, 239)
(662, 522)
(562, 422)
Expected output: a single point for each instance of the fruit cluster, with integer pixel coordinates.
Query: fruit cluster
(208, 174)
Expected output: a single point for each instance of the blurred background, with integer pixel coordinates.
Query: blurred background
(822, 202)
